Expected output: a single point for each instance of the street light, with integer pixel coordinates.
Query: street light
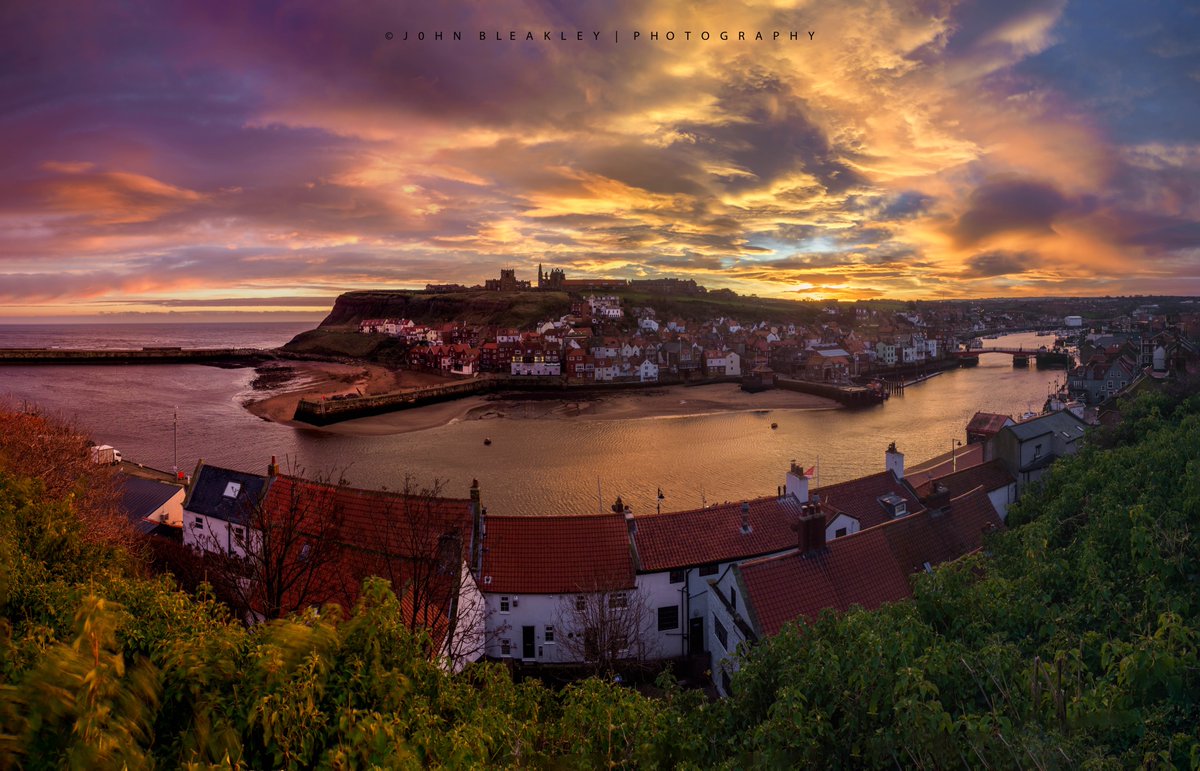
(953, 459)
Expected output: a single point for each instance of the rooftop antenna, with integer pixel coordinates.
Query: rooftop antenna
(175, 468)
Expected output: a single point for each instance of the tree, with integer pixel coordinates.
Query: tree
(603, 626)
(286, 559)
(54, 451)
(419, 541)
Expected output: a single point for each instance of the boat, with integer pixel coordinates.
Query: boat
(774, 426)
(487, 441)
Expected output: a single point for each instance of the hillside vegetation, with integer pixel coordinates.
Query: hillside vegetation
(1071, 642)
(337, 333)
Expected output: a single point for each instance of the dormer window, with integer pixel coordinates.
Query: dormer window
(232, 489)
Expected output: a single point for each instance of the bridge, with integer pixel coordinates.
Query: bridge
(1009, 351)
(1046, 358)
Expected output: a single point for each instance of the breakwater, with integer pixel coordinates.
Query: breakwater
(325, 412)
(147, 355)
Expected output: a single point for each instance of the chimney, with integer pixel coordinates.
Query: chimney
(478, 528)
(938, 498)
(746, 518)
(273, 468)
(630, 522)
(894, 460)
(796, 483)
(810, 530)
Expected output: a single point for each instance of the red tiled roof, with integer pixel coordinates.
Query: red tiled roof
(947, 463)
(938, 536)
(378, 533)
(556, 554)
(859, 498)
(990, 476)
(855, 570)
(377, 520)
(679, 539)
(867, 568)
(987, 423)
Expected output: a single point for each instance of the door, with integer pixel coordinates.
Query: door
(696, 635)
(527, 642)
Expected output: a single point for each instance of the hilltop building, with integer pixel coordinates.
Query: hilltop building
(508, 282)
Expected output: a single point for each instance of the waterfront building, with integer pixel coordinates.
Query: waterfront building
(985, 425)
(1028, 448)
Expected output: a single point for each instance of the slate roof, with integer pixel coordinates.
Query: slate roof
(867, 568)
(142, 497)
(1062, 422)
(207, 494)
(859, 498)
(680, 539)
(556, 554)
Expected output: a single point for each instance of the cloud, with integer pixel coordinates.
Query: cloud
(1004, 205)
(998, 263)
(174, 153)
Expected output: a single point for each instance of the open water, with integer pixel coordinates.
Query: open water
(532, 466)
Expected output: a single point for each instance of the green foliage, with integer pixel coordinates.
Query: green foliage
(1072, 640)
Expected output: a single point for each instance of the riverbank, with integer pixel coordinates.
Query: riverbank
(283, 385)
(651, 402)
(279, 386)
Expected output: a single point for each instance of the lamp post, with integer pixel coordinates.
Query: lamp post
(953, 458)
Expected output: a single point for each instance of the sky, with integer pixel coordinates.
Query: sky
(180, 159)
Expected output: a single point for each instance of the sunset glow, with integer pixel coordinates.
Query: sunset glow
(225, 156)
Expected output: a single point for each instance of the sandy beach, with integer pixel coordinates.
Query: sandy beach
(285, 384)
(280, 385)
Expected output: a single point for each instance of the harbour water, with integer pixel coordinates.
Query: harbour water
(534, 466)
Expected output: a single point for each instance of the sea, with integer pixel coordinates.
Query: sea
(171, 416)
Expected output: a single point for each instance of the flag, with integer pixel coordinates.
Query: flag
(810, 472)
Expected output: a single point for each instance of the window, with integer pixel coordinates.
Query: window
(708, 570)
(677, 576)
(668, 618)
(732, 598)
(722, 635)
(198, 523)
(304, 551)
(239, 536)
(580, 603)
(618, 600)
(549, 634)
(505, 648)
(1037, 451)
(504, 607)
(841, 531)
(232, 489)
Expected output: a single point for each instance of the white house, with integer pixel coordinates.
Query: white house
(647, 371)
(679, 552)
(539, 575)
(723, 363)
(648, 324)
(219, 508)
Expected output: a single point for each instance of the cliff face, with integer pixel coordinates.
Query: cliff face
(515, 309)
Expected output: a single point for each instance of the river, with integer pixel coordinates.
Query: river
(552, 466)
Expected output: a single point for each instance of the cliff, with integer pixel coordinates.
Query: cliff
(515, 309)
